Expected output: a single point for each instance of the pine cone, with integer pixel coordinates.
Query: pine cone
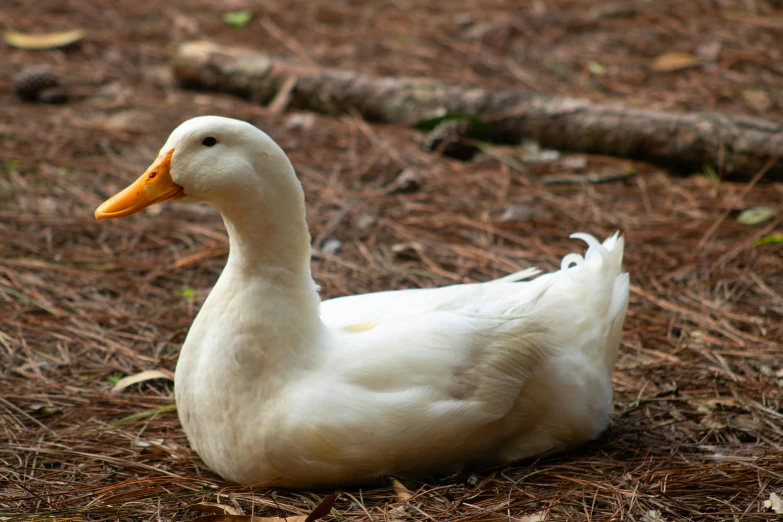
(30, 85)
(451, 132)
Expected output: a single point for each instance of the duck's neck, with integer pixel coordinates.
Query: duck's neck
(269, 251)
(264, 242)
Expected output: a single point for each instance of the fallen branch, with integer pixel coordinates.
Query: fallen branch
(732, 144)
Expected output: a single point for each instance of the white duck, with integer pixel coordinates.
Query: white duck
(275, 387)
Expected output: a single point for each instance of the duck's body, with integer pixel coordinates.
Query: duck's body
(275, 387)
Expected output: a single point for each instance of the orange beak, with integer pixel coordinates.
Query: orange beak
(154, 186)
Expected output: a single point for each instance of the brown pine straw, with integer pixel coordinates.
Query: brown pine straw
(698, 416)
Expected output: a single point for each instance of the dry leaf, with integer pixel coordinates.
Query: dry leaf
(42, 40)
(300, 121)
(539, 516)
(745, 422)
(146, 375)
(212, 507)
(775, 503)
(406, 182)
(709, 51)
(517, 214)
(323, 508)
(652, 515)
(320, 511)
(674, 61)
(403, 493)
(755, 215)
(402, 247)
(709, 405)
(155, 446)
(712, 422)
(757, 99)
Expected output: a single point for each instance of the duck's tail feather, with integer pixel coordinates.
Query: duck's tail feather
(587, 298)
(600, 274)
(611, 254)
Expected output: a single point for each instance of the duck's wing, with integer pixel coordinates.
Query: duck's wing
(356, 312)
(481, 342)
(426, 377)
(464, 354)
(461, 359)
(410, 392)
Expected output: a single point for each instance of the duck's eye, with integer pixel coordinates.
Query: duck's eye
(209, 141)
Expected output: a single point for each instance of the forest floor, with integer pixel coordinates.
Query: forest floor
(698, 414)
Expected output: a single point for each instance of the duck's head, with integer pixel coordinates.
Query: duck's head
(214, 160)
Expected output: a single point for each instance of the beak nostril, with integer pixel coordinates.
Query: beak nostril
(153, 174)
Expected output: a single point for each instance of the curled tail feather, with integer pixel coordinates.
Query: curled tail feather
(598, 277)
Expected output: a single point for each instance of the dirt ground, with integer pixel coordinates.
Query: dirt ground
(698, 419)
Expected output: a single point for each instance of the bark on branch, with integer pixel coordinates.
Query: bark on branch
(735, 144)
